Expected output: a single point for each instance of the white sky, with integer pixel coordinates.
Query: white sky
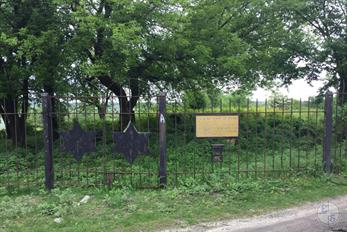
(299, 89)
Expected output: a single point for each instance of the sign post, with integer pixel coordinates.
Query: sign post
(217, 126)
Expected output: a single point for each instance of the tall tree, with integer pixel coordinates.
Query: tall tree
(323, 23)
(31, 47)
(250, 43)
(176, 44)
(15, 71)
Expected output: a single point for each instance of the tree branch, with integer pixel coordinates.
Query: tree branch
(112, 85)
(312, 23)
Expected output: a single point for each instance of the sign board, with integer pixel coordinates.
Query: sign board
(217, 125)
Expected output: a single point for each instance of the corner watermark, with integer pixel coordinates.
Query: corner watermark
(328, 213)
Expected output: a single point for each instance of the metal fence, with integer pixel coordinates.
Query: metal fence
(278, 137)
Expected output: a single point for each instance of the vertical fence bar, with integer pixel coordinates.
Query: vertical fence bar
(138, 106)
(230, 146)
(48, 140)
(337, 124)
(273, 134)
(238, 140)
(36, 160)
(292, 133)
(282, 139)
(328, 132)
(299, 134)
(256, 136)
(60, 124)
(162, 141)
(176, 142)
(16, 141)
(265, 138)
(308, 120)
(28, 172)
(247, 137)
(315, 139)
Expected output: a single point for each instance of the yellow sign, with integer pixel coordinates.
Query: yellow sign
(217, 126)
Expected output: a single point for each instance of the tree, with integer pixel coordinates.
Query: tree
(132, 48)
(322, 24)
(251, 44)
(15, 71)
(107, 43)
(141, 46)
(31, 60)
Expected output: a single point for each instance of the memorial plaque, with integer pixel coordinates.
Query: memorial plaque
(217, 125)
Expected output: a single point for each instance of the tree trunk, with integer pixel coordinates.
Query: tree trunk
(102, 107)
(18, 131)
(126, 112)
(101, 112)
(13, 111)
(7, 126)
(14, 123)
(126, 107)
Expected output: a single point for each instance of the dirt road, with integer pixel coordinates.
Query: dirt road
(327, 215)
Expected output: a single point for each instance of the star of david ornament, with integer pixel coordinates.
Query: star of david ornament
(131, 143)
(77, 141)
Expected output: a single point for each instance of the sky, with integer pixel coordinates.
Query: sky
(298, 89)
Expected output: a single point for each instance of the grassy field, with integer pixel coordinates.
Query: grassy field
(149, 210)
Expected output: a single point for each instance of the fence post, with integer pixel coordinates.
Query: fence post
(48, 140)
(328, 131)
(162, 141)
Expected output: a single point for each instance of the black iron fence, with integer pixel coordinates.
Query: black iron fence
(70, 141)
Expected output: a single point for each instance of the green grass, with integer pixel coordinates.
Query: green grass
(147, 210)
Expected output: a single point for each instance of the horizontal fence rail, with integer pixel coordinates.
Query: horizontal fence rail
(278, 137)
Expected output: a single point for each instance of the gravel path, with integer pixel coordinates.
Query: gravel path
(327, 215)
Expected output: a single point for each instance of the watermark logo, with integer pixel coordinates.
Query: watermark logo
(328, 213)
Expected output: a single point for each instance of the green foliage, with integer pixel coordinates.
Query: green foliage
(195, 100)
(117, 198)
(16, 208)
(319, 38)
